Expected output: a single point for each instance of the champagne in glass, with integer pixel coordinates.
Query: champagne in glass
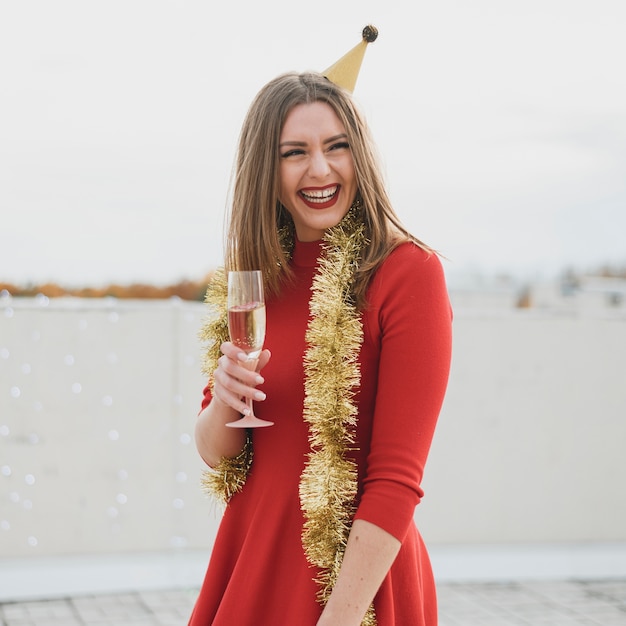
(246, 326)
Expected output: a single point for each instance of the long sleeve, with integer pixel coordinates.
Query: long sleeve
(410, 321)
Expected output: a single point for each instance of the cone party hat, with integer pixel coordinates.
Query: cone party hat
(345, 71)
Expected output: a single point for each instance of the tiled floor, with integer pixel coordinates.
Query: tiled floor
(157, 608)
(540, 604)
(597, 603)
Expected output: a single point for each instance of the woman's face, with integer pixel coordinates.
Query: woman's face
(317, 179)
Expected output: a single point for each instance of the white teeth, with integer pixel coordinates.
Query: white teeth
(320, 195)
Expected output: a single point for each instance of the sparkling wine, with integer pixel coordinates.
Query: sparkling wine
(246, 325)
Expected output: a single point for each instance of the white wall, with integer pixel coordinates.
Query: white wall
(530, 444)
(97, 407)
(98, 401)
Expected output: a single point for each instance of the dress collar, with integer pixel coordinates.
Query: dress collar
(306, 253)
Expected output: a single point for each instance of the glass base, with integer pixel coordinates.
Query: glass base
(249, 421)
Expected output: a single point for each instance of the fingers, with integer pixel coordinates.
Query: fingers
(264, 357)
(237, 364)
(234, 393)
(236, 377)
(230, 350)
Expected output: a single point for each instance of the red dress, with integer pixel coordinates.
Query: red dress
(258, 574)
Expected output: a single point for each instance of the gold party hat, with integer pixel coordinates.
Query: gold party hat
(345, 71)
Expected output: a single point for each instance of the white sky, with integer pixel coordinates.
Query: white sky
(501, 123)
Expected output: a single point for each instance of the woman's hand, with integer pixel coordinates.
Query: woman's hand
(236, 377)
(368, 557)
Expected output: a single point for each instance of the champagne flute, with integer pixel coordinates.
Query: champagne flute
(246, 326)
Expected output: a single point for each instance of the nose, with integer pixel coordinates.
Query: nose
(318, 165)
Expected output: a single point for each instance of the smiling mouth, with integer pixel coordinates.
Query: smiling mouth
(320, 198)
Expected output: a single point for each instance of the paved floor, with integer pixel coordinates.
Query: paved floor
(597, 603)
(540, 604)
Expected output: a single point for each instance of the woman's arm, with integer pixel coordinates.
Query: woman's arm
(409, 300)
(369, 555)
(234, 382)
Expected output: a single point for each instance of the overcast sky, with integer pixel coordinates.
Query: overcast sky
(501, 125)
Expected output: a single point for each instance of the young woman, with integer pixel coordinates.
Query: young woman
(318, 529)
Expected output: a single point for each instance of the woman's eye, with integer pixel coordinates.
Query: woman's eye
(341, 145)
(290, 153)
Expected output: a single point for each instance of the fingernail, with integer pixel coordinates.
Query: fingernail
(259, 380)
(246, 411)
(259, 395)
(242, 356)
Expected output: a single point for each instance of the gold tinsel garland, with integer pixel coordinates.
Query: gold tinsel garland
(328, 484)
(214, 332)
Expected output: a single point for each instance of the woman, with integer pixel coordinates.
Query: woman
(319, 527)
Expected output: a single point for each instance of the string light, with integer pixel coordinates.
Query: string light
(57, 359)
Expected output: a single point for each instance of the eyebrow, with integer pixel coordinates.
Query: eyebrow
(303, 143)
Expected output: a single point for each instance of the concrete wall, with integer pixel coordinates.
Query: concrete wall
(530, 444)
(98, 402)
(97, 407)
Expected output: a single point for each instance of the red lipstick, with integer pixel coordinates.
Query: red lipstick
(320, 197)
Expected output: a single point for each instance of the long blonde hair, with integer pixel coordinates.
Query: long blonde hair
(257, 215)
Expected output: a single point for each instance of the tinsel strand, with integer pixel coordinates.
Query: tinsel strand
(228, 477)
(214, 331)
(328, 484)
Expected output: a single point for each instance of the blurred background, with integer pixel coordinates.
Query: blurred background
(502, 130)
(501, 126)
